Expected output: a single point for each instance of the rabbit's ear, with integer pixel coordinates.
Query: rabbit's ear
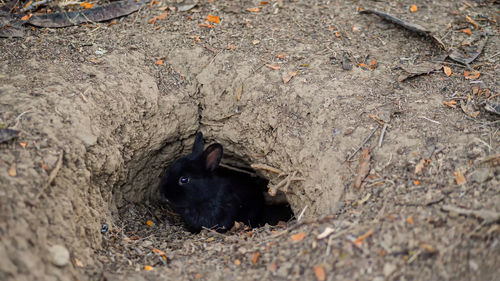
(212, 155)
(198, 145)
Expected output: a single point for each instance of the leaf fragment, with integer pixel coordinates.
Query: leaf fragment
(459, 177)
(12, 170)
(288, 76)
(413, 8)
(214, 19)
(253, 10)
(255, 257)
(319, 272)
(447, 70)
(298, 237)
(471, 75)
(452, 103)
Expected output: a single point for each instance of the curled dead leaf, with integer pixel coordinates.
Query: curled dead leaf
(452, 103)
(255, 257)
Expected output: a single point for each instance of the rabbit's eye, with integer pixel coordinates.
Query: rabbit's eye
(183, 180)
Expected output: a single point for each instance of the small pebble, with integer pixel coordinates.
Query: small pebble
(59, 255)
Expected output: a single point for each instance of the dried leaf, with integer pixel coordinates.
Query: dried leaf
(198, 276)
(452, 103)
(255, 257)
(420, 166)
(214, 19)
(473, 22)
(263, 3)
(23, 144)
(275, 67)
(363, 168)
(459, 177)
(416, 182)
(319, 272)
(12, 170)
(255, 42)
(471, 75)
(413, 8)
(253, 10)
(206, 25)
(409, 220)
(281, 56)
(298, 237)
(360, 239)
(148, 268)
(239, 92)
(466, 31)
(447, 70)
(26, 17)
(149, 223)
(288, 76)
(78, 263)
(159, 62)
(237, 262)
(87, 5)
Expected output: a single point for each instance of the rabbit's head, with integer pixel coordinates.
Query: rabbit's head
(188, 180)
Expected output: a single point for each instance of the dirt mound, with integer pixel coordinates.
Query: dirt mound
(102, 110)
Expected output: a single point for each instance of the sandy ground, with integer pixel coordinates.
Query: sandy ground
(102, 109)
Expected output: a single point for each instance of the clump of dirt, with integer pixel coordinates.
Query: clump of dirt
(120, 102)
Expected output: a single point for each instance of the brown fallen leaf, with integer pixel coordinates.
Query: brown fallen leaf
(298, 237)
(459, 177)
(288, 76)
(466, 31)
(471, 75)
(255, 257)
(237, 262)
(447, 70)
(273, 66)
(452, 103)
(473, 22)
(360, 239)
(319, 272)
(364, 167)
(214, 19)
(12, 170)
(420, 166)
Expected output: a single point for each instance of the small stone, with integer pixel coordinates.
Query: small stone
(59, 255)
(389, 268)
(480, 175)
(473, 265)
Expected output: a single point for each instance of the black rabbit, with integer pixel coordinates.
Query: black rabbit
(207, 196)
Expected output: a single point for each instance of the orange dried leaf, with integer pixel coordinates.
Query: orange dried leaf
(162, 16)
(112, 23)
(364, 236)
(87, 5)
(27, 4)
(23, 144)
(206, 25)
(471, 21)
(253, 10)
(409, 220)
(275, 67)
(230, 47)
(373, 64)
(263, 3)
(26, 17)
(466, 31)
(12, 170)
(153, 3)
(471, 75)
(149, 223)
(460, 178)
(319, 272)
(288, 76)
(148, 268)
(298, 237)
(447, 70)
(45, 167)
(78, 263)
(420, 166)
(452, 103)
(237, 262)
(413, 8)
(281, 56)
(360, 8)
(255, 257)
(159, 62)
(416, 182)
(337, 34)
(362, 65)
(214, 19)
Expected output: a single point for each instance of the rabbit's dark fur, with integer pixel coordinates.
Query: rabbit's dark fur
(206, 196)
